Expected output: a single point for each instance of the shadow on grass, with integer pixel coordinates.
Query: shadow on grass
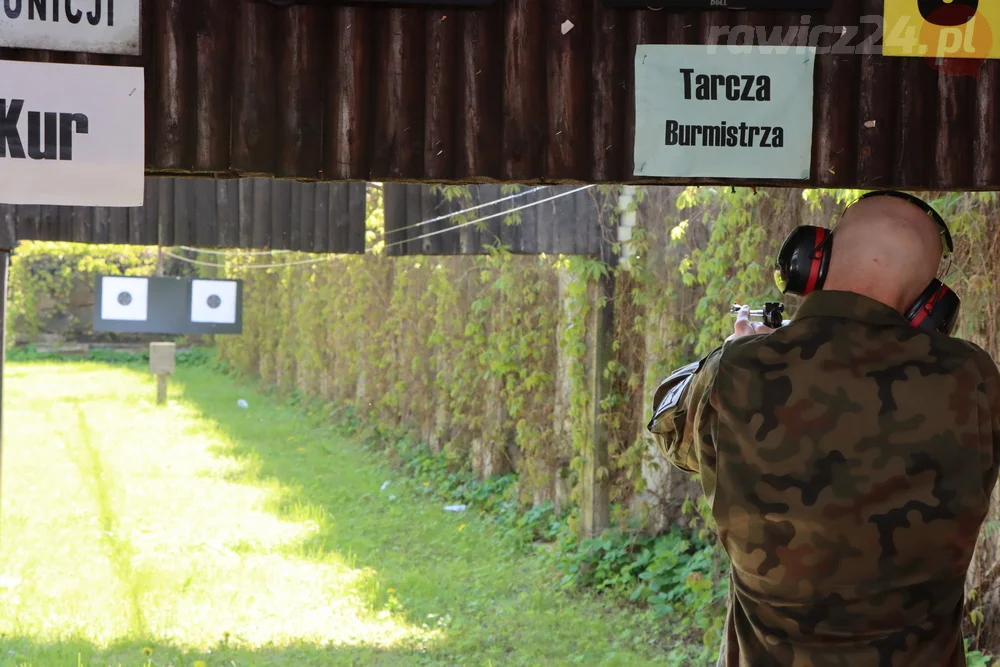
(434, 569)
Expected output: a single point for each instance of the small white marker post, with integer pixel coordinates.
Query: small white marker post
(161, 364)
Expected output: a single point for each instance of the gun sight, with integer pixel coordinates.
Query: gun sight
(770, 314)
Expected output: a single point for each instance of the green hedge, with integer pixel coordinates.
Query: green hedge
(49, 272)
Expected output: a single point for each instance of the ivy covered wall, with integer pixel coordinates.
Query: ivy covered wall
(484, 356)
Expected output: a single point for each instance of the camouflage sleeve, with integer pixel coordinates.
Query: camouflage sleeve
(989, 401)
(992, 390)
(681, 409)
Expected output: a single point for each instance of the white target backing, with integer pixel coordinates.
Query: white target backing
(124, 298)
(213, 301)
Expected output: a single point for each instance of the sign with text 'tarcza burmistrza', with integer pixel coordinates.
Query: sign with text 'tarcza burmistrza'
(718, 112)
(71, 135)
(91, 26)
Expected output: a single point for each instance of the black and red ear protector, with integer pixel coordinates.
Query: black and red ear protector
(804, 260)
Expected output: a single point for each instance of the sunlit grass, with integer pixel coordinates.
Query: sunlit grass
(134, 534)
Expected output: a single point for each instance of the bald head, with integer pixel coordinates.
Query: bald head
(884, 248)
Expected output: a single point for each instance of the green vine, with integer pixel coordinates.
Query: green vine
(495, 348)
(579, 300)
(44, 276)
(735, 265)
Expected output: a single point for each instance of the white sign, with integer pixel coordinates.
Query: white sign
(709, 112)
(94, 26)
(71, 134)
(213, 301)
(124, 299)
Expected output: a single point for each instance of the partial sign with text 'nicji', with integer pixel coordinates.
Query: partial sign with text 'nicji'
(714, 112)
(89, 26)
(71, 135)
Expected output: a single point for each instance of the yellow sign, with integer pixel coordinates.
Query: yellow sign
(939, 29)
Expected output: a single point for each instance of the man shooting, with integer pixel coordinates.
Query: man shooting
(848, 457)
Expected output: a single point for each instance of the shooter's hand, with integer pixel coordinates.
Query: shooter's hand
(744, 327)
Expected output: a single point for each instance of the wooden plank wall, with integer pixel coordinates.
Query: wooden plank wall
(329, 91)
(208, 213)
(570, 225)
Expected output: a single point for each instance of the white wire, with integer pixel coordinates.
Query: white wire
(252, 266)
(464, 210)
(232, 251)
(389, 245)
(243, 253)
(488, 217)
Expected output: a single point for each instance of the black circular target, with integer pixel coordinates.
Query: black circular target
(124, 298)
(214, 301)
(948, 12)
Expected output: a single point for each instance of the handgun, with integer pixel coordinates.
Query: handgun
(770, 314)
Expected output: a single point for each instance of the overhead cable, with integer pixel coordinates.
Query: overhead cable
(325, 258)
(516, 195)
(328, 258)
(488, 217)
(232, 251)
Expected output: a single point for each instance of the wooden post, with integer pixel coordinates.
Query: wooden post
(595, 510)
(161, 364)
(161, 389)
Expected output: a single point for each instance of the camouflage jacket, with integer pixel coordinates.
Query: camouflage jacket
(849, 459)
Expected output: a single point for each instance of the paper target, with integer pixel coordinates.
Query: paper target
(213, 301)
(124, 299)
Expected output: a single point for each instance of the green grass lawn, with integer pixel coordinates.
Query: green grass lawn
(204, 533)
